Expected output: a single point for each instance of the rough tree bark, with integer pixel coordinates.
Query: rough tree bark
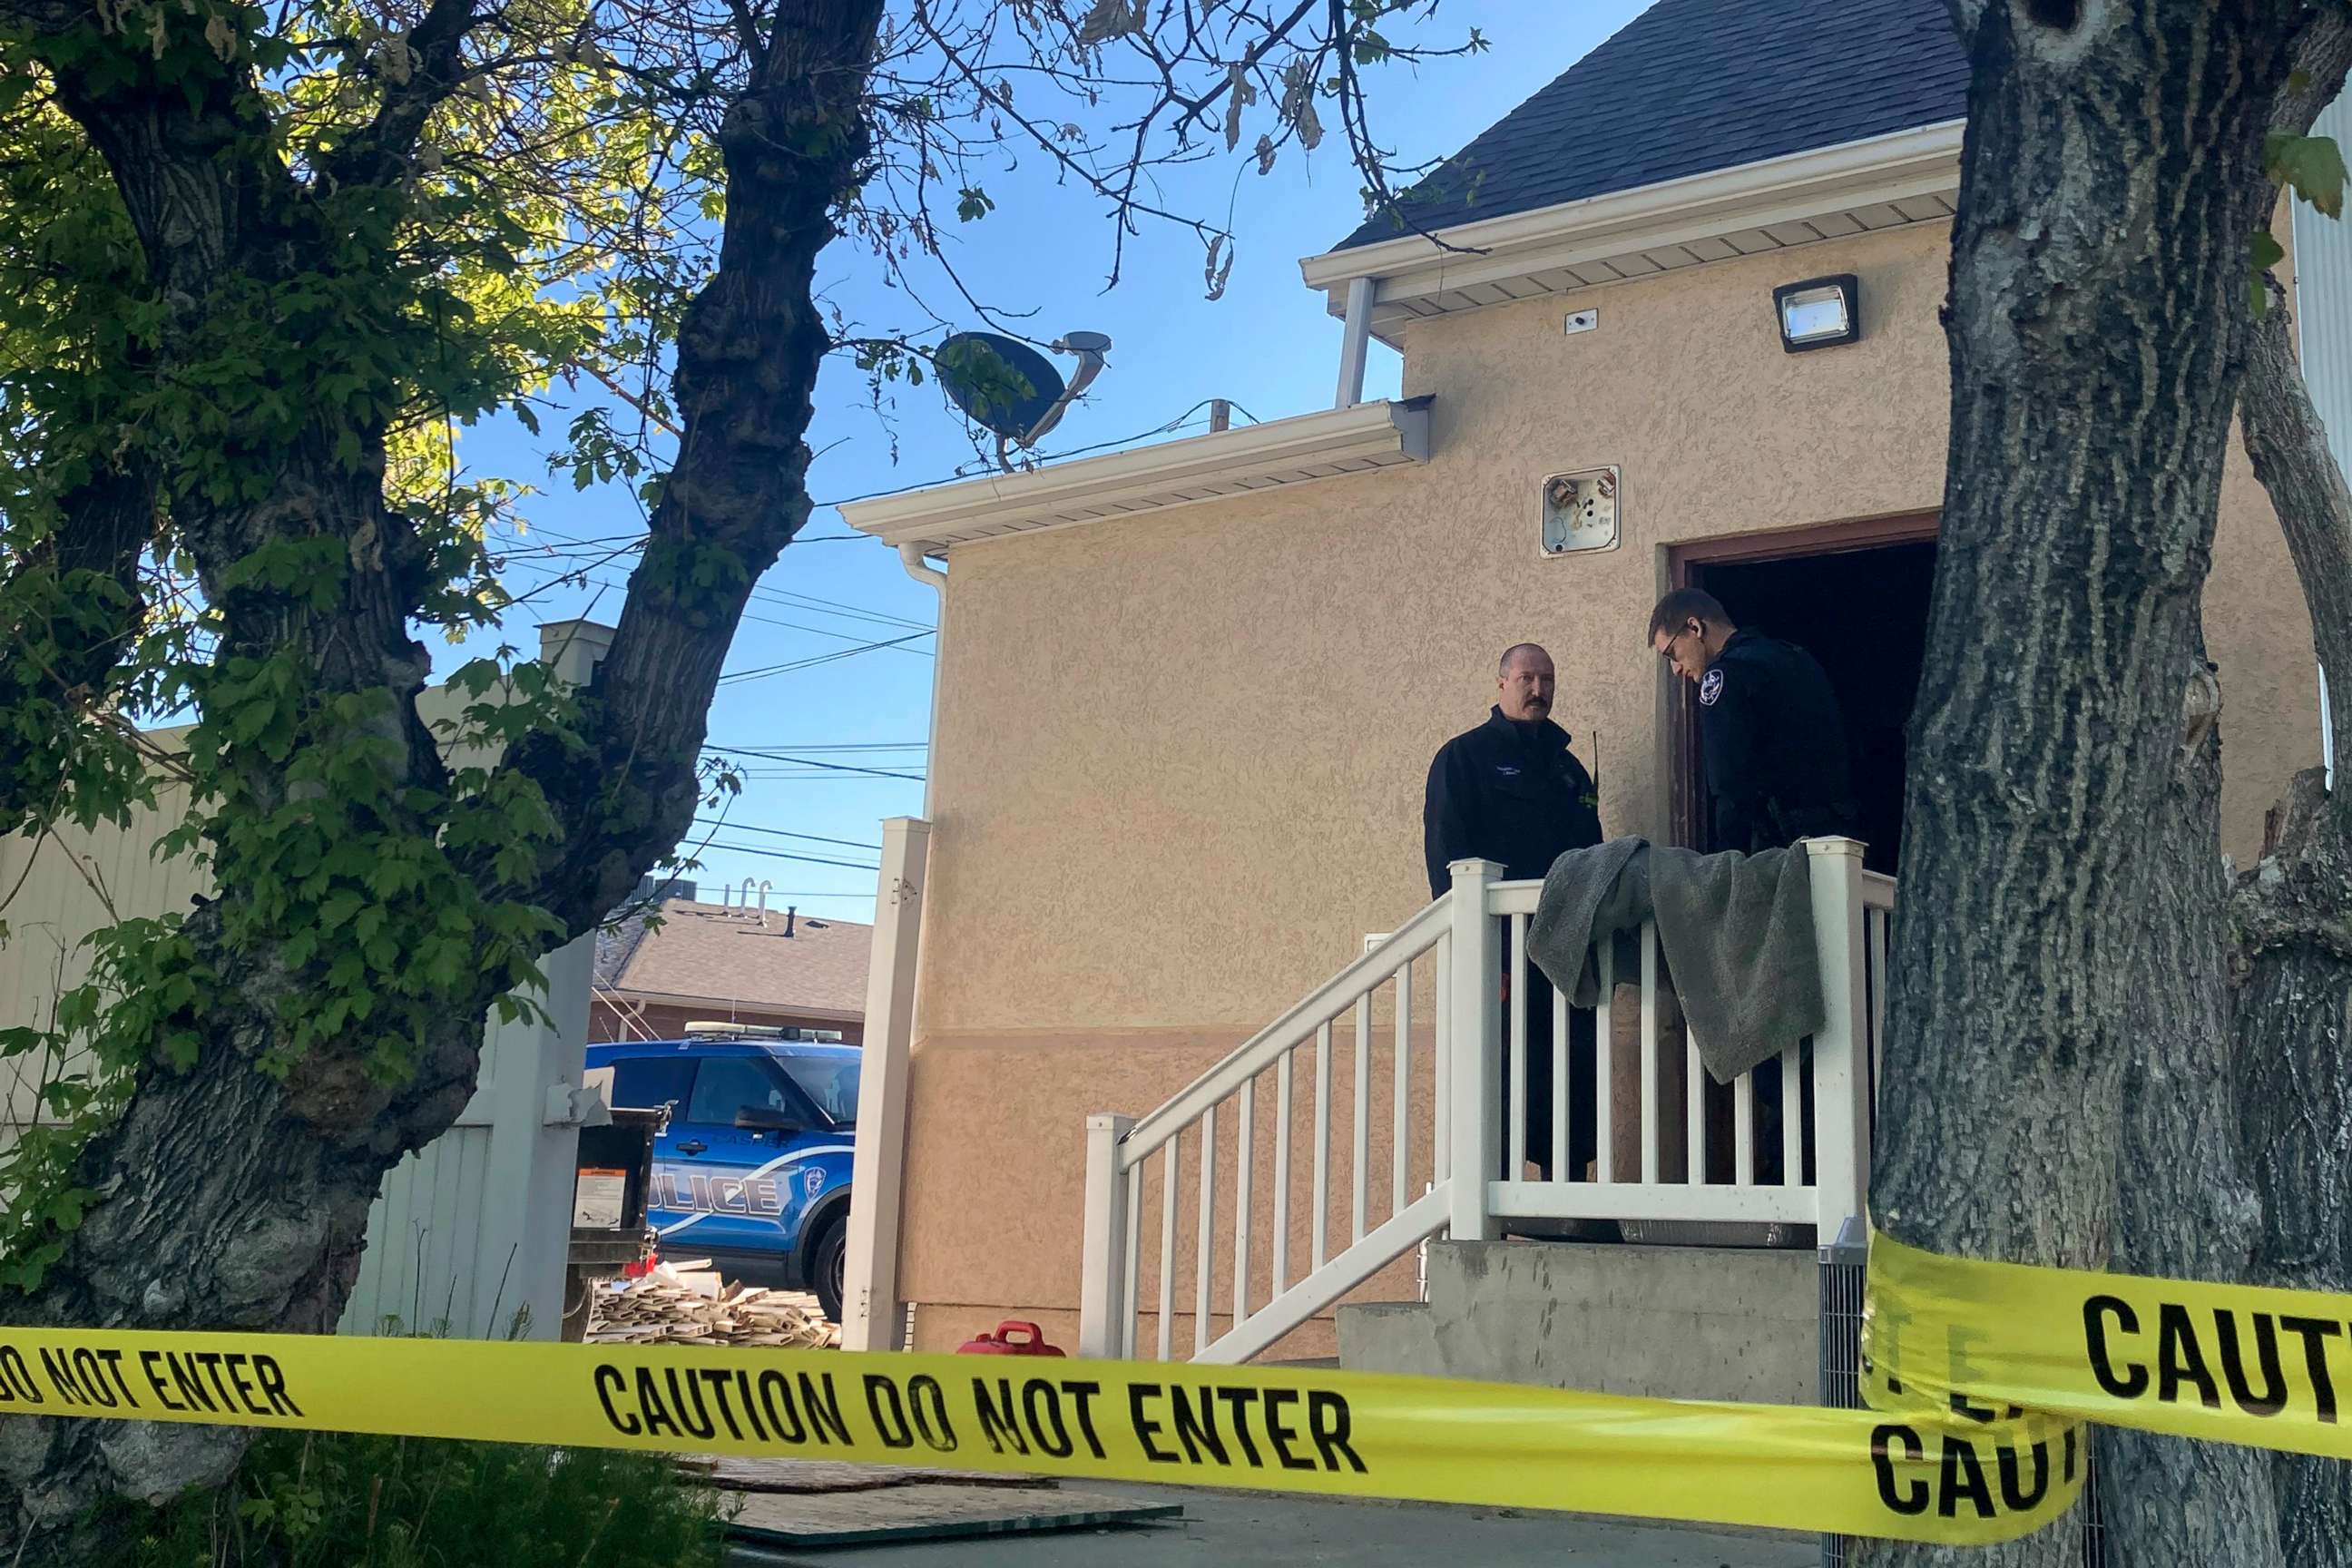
(2292, 918)
(2110, 187)
(2187, 1206)
(271, 1241)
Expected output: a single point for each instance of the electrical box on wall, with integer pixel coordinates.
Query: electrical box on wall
(1579, 511)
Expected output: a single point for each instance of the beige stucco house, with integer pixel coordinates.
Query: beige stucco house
(1119, 893)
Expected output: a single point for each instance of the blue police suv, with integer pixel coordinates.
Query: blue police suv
(754, 1171)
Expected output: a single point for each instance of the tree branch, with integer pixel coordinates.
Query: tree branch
(748, 352)
(66, 632)
(436, 69)
(2283, 431)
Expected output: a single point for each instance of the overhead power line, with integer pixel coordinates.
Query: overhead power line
(790, 597)
(779, 833)
(763, 672)
(810, 762)
(780, 855)
(556, 574)
(837, 748)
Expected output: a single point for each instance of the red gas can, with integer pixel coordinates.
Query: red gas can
(1011, 1338)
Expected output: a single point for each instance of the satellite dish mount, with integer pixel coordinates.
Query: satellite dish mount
(1020, 407)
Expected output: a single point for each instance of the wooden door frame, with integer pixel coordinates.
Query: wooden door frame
(1679, 751)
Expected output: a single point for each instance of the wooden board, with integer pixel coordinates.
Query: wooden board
(927, 1512)
(737, 1475)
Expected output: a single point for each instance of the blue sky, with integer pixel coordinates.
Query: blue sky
(856, 724)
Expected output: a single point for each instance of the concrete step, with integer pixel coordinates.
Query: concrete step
(1674, 1322)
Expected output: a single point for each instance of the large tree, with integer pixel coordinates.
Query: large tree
(2059, 1068)
(253, 263)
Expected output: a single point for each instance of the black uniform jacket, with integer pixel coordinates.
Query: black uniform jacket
(1775, 746)
(1508, 792)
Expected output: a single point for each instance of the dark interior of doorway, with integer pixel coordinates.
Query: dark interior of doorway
(1864, 614)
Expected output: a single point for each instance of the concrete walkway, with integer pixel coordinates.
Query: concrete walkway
(1241, 1529)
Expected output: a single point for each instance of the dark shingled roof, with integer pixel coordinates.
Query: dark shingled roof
(1691, 86)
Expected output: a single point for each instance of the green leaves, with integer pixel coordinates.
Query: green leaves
(2311, 166)
(2267, 253)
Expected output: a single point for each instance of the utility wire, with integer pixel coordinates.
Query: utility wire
(779, 833)
(811, 762)
(762, 671)
(758, 591)
(557, 575)
(782, 855)
(840, 746)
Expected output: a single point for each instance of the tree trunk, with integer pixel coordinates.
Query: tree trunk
(2292, 918)
(2184, 1207)
(2109, 191)
(2295, 1098)
(270, 1240)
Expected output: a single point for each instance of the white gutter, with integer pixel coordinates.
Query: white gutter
(1672, 212)
(910, 556)
(1303, 447)
(1354, 344)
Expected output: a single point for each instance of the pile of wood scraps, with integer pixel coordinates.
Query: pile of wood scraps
(688, 1303)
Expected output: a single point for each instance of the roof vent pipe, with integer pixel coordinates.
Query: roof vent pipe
(765, 886)
(790, 911)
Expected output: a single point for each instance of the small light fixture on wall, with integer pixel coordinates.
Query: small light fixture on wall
(1819, 313)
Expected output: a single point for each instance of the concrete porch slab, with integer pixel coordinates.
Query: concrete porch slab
(1672, 1322)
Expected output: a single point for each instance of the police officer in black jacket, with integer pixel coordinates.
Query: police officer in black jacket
(1511, 792)
(1768, 726)
(1776, 764)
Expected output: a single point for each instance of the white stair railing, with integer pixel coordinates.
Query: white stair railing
(1651, 1165)
(1219, 1128)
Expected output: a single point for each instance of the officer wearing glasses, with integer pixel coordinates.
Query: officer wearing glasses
(1768, 726)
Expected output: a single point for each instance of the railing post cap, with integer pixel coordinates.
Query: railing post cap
(1110, 1121)
(1834, 845)
(1482, 870)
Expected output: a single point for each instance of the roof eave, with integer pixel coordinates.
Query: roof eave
(739, 1004)
(1308, 446)
(1494, 253)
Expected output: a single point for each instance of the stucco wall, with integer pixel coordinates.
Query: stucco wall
(1179, 759)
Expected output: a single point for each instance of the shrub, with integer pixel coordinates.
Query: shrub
(331, 1499)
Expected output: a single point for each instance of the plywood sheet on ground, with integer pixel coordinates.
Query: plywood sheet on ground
(928, 1510)
(731, 1474)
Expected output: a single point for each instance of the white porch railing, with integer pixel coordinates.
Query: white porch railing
(1257, 1252)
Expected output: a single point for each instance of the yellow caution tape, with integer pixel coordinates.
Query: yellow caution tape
(2249, 1364)
(1927, 1477)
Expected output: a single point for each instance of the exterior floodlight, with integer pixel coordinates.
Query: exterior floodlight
(1819, 313)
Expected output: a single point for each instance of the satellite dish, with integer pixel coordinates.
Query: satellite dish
(1004, 385)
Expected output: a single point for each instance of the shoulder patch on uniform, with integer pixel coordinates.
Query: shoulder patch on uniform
(1710, 687)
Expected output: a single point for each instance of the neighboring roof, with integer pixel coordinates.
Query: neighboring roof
(1693, 85)
(727, 956)
(1328, 444)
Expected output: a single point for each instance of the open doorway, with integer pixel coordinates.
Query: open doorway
(1856, 599)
